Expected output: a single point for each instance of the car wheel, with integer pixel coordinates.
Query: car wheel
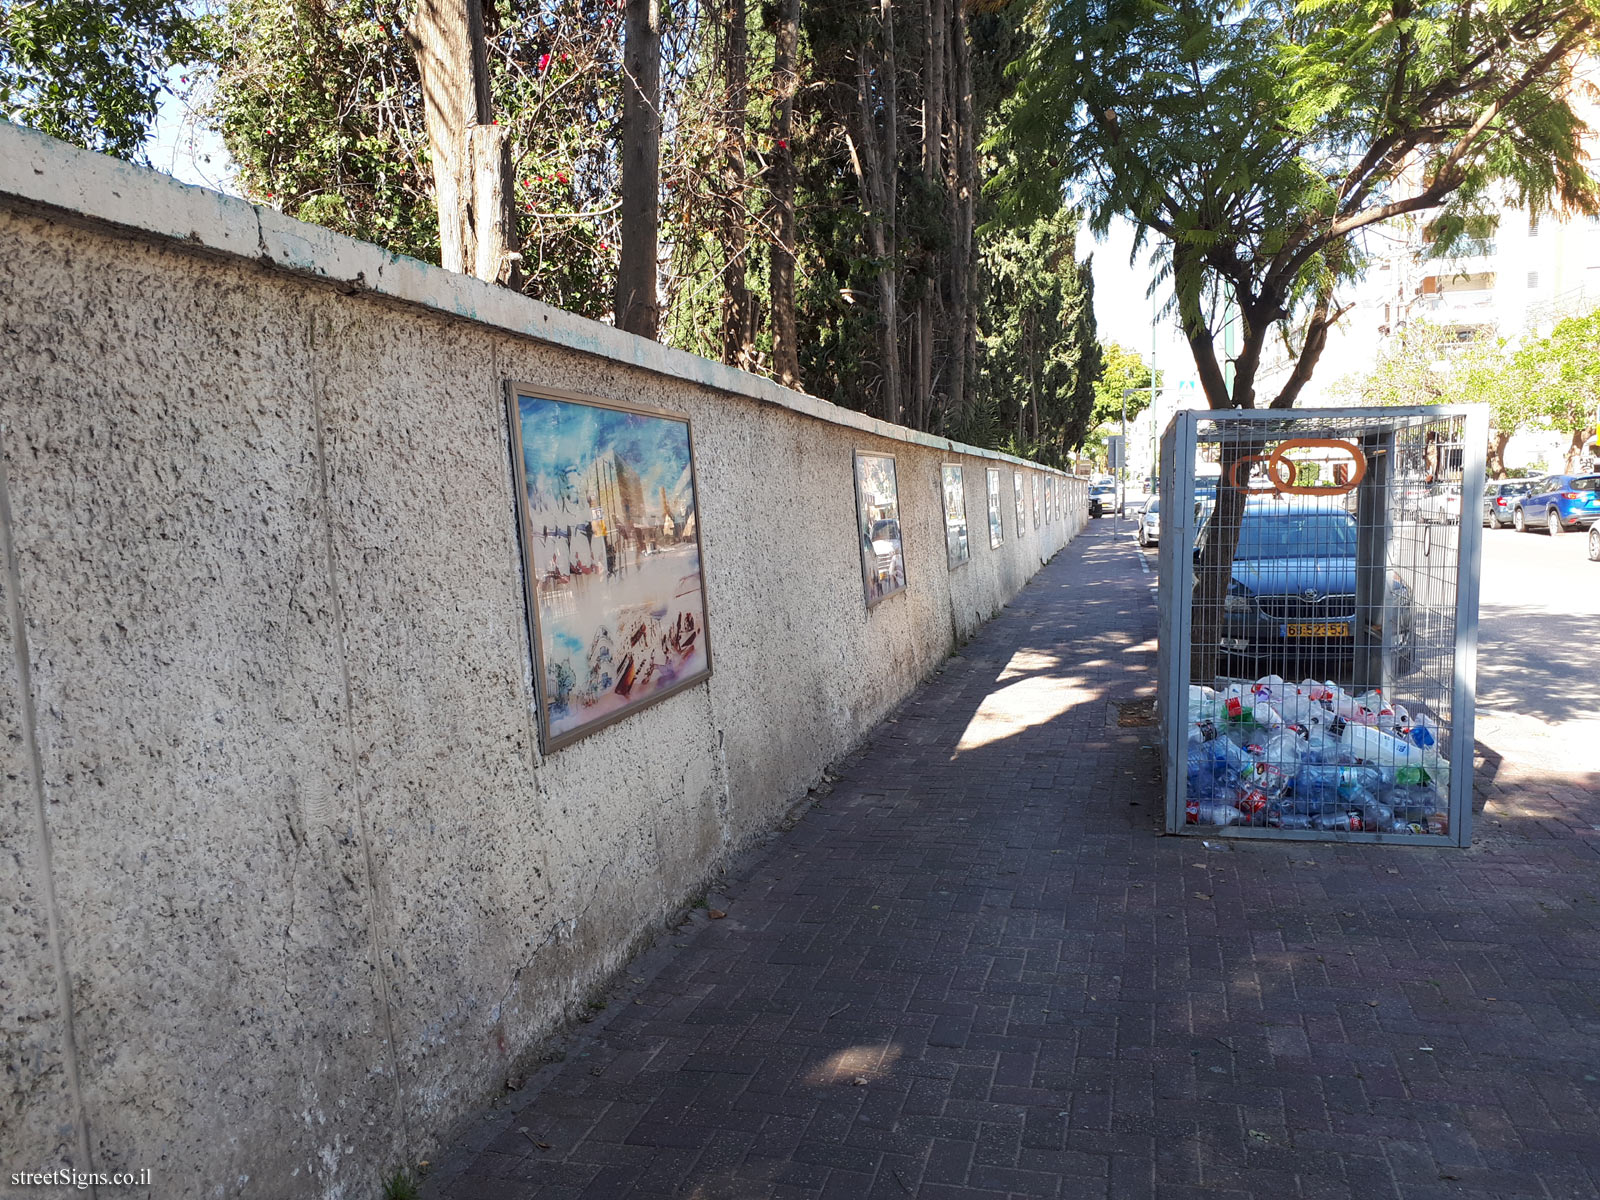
(1594, 543)
(1144, 539)
(1518, 521)
(1495, 522)
(1552, 522)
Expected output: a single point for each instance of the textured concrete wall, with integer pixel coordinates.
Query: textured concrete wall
(293, 885)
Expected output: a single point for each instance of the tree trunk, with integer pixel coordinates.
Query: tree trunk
(738, 331)
(1497, 454)
(873, 173)
(1580, 438)
(785, 355)
(932, 171)
(637, 305)
(964, 328)
(471, 156)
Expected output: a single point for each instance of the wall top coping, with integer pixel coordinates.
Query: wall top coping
(37, 172)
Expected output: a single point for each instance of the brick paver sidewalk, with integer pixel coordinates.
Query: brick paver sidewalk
(975, 970)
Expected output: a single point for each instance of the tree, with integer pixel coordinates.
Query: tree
(1258, 141)
(1559, 377)
(637, 307)
(321, 106)
(1123, 387)
(1426, 364)
(470, 151)
(1039, 360)
(785, 82)
(90, 71)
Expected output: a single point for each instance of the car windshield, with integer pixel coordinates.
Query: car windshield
(1153, 506)
(1296, 535)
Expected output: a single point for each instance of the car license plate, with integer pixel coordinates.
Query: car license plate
(1314, 629)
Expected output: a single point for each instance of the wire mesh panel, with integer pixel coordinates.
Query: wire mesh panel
(1318, 622)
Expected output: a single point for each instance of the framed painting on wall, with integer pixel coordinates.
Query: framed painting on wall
(610, 532)
(1022, 504)
(1036, 502)
(955, 515)
(883, 560)
(997, 532)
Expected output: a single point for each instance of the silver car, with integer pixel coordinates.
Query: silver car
(1150, 522)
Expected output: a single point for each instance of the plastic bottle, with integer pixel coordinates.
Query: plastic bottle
(1202, 769)
(1424, 733)
(1377, 816)
(1269, 687)
(1297, 708)
(1266, 715)
(1319, 747)
(1211, 812)
(1350, 821)
(1361, 778)
(1316, 783)
(1237, 758)
(1374, 746)
(1286, 818)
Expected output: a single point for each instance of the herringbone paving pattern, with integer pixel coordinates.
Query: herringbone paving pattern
(976, 971)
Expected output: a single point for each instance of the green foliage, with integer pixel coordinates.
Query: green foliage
(1039, 359)
(1550, 382)
(1123, 370)
(1558, 378)
(320, 106)
(1257, 141)
(90, 71)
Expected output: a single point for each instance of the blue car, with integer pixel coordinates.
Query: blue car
(1558, 503)
(1291, 606)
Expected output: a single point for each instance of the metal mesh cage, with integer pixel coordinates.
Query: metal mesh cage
(1318, 622)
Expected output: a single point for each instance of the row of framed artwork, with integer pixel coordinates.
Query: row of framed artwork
(609, 522)
(883, 571)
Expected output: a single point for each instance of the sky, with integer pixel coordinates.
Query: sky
(180, 147)
(1122, 305)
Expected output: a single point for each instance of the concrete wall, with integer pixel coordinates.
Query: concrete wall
(293, 884)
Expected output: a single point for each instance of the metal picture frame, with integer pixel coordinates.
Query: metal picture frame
(1018, 492)
(678, 656)
(879, 530)
(957, 530)
(997, 528)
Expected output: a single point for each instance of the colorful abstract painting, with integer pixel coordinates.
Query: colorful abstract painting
(611, 553)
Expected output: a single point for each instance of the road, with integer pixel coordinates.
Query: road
(1539, 626)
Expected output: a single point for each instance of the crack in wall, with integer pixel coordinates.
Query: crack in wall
(30, 736)
(374, 930)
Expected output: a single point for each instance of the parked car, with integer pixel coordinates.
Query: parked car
(1440, 507)
(1498, 497)
(1150, 522)
(1594, 543)
(1558, 503)
(1102, 498)
(1290, 608)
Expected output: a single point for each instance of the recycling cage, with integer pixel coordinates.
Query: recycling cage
(1343, 624)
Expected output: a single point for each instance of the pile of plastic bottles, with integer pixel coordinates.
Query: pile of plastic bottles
(1309, 756)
